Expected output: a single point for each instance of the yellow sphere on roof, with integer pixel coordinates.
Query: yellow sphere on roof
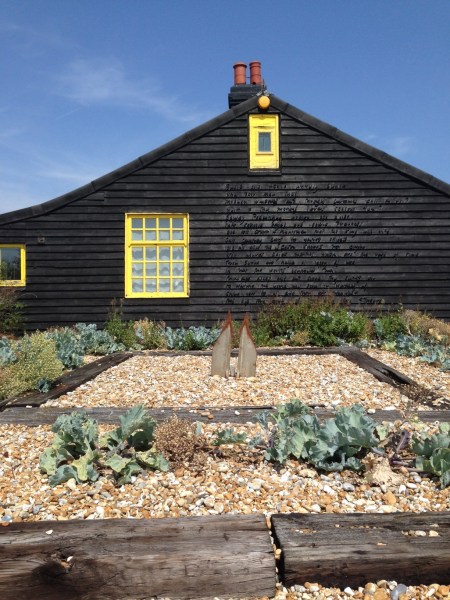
(264, 102)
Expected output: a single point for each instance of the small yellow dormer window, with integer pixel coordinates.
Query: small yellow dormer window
(264, 142)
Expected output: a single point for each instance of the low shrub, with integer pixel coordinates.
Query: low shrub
(150, 335)
(36, 362)
(96, 341)
(121, 331)
(11, 311)
(69, 349)
(177, 440)
(422, 324)
(389, 326)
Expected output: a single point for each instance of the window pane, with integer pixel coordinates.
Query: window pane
(264, 142)
(150, 223)
(136, 223)
(10, 264)
(150, 254)
(178, 253)
(150, 285)
(150, 235)
(164, 269)
(137, 254)
(178, 269)
(137, 285)
(178, 285)
(136, 236)
(164, 223)
(177, 223)
(164, 285)
(150, 269)
(164, 235)
(164, 254)
(137, 269)
(177, 234)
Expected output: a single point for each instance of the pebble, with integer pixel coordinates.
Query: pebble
(241, 483)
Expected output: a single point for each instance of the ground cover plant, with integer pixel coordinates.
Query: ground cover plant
(291, 431)
(27, 364)
(322, 321)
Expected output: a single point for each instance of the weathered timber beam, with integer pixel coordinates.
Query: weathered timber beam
(195, 557)
(239, 414)
(352, 549)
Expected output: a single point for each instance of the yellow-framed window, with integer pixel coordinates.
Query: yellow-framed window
(156, 255)
(12, 264)
(264, 147)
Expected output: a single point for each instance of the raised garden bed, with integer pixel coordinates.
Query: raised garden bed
(236, 481)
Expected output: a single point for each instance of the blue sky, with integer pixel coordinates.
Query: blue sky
(89, 85)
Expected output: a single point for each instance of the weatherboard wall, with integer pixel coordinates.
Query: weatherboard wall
(331, 219)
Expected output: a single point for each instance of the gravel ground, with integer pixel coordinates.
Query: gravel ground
(426, 375)
(157, 381)
(238, 481)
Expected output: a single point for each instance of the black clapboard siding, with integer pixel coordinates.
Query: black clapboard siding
(338, 216)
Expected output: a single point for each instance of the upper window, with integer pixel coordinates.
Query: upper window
(12, 264)
(264, 142)
(156, 255)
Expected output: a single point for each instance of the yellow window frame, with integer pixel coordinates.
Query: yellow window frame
(155, 260)
(264, 124)
(22, 280)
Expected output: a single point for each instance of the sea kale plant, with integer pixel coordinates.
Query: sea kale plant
(193, 338)
(433, 453)
(292, 431)
(78, 453)
(72, 344)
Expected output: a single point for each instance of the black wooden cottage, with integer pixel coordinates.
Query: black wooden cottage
(263, 201)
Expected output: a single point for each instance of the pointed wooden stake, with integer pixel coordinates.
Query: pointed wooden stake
(221, 353)
(247, 352)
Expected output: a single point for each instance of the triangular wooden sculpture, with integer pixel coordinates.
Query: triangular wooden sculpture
(221, 352)
(246, 366)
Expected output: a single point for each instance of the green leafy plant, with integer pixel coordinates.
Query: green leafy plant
(433, 453)
(388, 327)
(69, 349)
(193, 338)
(11, 311)
(121, 331)
(7, 355)
(150, 334)
(36, 360)
(229, 436)
(96, 341)
(78, 453)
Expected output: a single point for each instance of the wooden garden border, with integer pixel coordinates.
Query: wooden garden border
(34, 417)
(379, 370)
(218, 556)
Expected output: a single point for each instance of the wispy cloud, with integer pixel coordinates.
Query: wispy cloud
(105, 82)
(399, 145)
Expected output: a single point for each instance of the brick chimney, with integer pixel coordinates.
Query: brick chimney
(241, 90)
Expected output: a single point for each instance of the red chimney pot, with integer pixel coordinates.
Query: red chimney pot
(255, 73)
(240, 73)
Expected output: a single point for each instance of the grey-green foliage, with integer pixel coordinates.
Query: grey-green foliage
(229, 436)
(7, 355)
(193, 338)
(337, 443)
(433, 453)
(96, 341)
(73, 343)
(69, 349)
(78, 453)
(428, 350)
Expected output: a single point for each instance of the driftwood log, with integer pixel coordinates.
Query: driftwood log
(196, 557)
(352, 549)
